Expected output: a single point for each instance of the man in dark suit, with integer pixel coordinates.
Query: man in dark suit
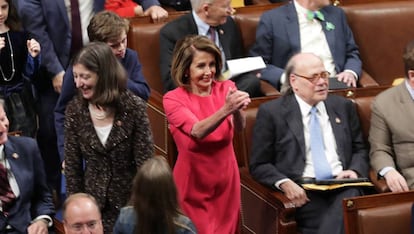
(29, 206)
(205, 15)
(49, 22)
(284, 149)
(307, 26)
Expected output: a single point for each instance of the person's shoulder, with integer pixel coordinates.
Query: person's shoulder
(224, 84)
(23, 140)
(127, 214)
(279, 10)
(74, 104)
(126, 219)
(331, 9)
(21, 144)
(130, 53)
(176, 23)
(337, 99)
(177, 92)
(128, 99)
(185, 224)
(390, 92)
(275, 104)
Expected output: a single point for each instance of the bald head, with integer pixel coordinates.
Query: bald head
(307, 78)
(81, 214)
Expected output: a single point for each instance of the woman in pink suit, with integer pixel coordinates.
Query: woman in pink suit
(202, 113)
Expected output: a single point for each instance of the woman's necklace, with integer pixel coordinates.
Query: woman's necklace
(98, 113)
(12, 61)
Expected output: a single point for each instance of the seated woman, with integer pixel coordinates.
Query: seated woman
(154, 205)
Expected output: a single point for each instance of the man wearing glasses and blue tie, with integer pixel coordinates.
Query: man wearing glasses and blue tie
(309, 135)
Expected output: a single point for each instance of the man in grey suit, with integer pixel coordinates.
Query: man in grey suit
(391, 134)
(206, 14)
(307, 26)
(284, 151)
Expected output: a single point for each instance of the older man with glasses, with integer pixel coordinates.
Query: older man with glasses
(211, 18)
(309, 135)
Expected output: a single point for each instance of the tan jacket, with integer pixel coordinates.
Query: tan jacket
(391, 135)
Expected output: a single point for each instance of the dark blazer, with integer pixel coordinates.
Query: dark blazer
(136, 83)
(48, 22)
(106, 172)
(35, 198)
(278, 150)
(278, 38)
(175, 30)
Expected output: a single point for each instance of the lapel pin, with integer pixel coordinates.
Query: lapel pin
(337, 120)
(15, 155)
(221, 31)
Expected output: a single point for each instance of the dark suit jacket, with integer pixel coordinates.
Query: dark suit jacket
(48, 22)
(278, 38)
(35, 198)
(175, 30)
(136, 83)
(278, 150)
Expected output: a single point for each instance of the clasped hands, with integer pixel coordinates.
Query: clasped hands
(236, 100)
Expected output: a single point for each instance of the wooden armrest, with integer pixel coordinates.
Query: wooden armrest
(263, 209)
(367, 81)
(268, 89)
(379, 183)
(58, 225)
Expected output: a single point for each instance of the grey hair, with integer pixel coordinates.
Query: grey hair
(197, 4)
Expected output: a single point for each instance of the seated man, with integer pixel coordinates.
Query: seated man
(25, 200)
(307, 133)
(307, 26)
(110, 28)
(391, 133)
(209, 18)
(81, 211)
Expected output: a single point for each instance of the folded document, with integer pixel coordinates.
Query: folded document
(330, 184)
(243, 65)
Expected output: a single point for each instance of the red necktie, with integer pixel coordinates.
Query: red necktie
(7, 196)
(76, 27)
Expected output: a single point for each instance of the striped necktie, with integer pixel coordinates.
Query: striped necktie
(7, 196)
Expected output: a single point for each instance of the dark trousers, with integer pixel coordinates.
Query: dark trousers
(46, 136)
(324, 213)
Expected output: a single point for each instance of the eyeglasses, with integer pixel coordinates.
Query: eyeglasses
(91, 225)
(315, 77)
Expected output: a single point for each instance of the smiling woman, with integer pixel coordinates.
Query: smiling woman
(107, 133)
(202, 113)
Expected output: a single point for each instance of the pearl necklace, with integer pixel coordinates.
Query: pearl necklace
(12, 61)
(98, 113)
